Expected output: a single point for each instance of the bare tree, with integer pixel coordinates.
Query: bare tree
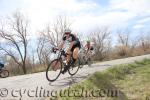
(55, 32)
(123, 42)
(43, 50)
(144, 41)
(134, 42)
(124, 37)
(102, 42)
(51, 36)
(15, 37)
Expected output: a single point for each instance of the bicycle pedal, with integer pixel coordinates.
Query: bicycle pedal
(64, 71)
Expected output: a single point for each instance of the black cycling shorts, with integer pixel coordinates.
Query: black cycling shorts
(76, 44)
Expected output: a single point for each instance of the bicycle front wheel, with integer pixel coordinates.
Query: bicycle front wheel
(74, 69)
(53, 70)
(4, 73)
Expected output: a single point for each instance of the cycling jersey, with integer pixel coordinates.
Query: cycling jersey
(71, 38)
(89, 47)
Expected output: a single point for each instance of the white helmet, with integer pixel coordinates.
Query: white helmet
(67, 31)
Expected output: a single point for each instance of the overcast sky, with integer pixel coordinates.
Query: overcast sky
(85, 14)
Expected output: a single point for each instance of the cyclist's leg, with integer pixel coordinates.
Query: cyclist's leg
(89, 54)
(68, 60)
(75, 53)
(86, 55)
(75, 50)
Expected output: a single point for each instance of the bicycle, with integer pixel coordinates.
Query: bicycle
(56, 66)
(4, 73)
(85, 59)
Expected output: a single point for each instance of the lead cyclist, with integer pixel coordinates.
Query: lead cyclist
(74, 46)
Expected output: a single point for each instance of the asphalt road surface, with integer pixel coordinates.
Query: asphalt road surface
(36, 87)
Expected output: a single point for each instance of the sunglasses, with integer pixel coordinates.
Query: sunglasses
(67, 33)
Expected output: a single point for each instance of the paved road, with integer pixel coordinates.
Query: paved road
(35, 86)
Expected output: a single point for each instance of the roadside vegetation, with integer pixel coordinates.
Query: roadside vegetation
(126, 82)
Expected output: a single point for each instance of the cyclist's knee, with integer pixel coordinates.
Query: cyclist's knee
(75, 53)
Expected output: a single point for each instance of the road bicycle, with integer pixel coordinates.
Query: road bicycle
(85, 59)
(4, 73)
(57, 65)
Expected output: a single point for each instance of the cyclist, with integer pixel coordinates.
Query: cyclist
(88, 49)
(72, 45)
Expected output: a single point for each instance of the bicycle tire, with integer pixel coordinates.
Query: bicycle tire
(78, 66)
(81, 59)
(6, 72)
(48, 71)
(89, 61)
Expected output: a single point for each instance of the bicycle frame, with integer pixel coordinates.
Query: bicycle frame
(60, 54)
(71, 70)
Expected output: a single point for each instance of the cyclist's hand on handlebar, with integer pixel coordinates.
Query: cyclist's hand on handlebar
(54, 49)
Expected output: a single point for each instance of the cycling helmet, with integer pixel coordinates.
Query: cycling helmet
(88, 41)
(67, 31)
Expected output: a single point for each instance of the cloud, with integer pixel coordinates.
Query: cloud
(144, 20)
(139, 7)
(139, 26)
(86, 14)
(117, 14)
(115, 19)
(41, 12)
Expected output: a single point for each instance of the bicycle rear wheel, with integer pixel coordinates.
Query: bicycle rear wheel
(89, 61)
(53, 70)
(4, 73)
(82, 62)
(74, 69)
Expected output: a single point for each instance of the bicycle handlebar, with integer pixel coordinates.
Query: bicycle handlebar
(54, 49)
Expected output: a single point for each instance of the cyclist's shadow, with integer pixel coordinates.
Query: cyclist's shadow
(68, 81)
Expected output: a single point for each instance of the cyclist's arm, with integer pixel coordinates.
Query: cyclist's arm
(61, 45)
(62, 42)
